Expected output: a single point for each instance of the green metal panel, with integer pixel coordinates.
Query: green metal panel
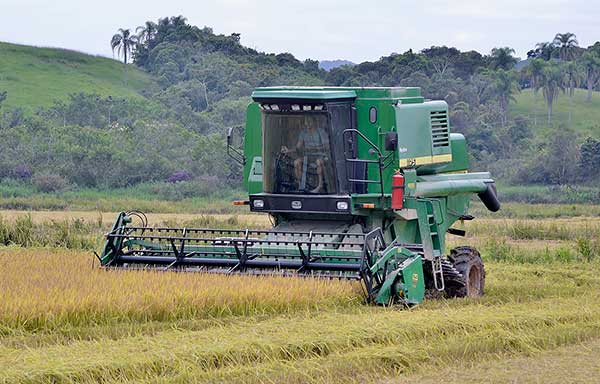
(403, 276)
(431, 217)
(252, 146)
(418, 135)
(460, 158)
(413, 286)
(255, 177)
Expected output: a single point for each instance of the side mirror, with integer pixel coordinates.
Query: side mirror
(236, 154)
(229, 136)
(391, 141)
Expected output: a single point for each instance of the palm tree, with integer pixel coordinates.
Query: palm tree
(124, 42)
(591, 64)
(502, 58)
(572, 80)
(534, 70)
(146, 32)
(505, 86)
(3, 96)
(544, 50)
(178, 21)
(566, 44)
(572, 76)
(552, 83)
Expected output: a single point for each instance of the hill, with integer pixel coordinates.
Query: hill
(585, 116)
(330, 64)
(36, 76)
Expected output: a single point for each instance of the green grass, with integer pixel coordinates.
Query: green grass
(140, 197)
(549, 194)
(536, 211)
(586, 116)
(35, 76)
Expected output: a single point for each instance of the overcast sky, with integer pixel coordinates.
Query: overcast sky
(356, 30)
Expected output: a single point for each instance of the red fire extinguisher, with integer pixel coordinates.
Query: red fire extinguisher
(397, 191)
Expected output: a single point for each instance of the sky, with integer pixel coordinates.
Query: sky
(355, 30)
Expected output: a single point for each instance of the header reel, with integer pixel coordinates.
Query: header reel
(389, 272)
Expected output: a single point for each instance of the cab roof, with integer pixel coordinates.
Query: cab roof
(335, 93)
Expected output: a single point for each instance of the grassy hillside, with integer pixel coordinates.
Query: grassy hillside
(36, 76)
(586, 116)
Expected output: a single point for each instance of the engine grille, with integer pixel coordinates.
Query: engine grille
(440, 133)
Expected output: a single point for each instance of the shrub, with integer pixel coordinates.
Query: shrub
(49, 182)
(179, 176)
(587, 249)
(23, 172)
(198, 187)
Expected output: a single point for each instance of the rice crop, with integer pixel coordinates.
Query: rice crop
(64, 320)
(554, 229)
(85, 230)
(515, 210)
(45, 289)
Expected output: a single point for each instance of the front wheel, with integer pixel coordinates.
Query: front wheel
(467, 261)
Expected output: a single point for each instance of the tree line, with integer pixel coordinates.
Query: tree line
(204, 81)
(215, 74)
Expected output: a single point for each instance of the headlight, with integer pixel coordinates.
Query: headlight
(342, 206)
(258, 203)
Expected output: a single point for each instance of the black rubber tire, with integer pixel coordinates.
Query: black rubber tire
(467, 261)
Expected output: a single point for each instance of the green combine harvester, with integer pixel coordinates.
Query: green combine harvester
(360, 183)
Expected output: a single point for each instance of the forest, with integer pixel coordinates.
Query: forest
(201, 84)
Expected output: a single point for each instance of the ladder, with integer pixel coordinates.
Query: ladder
(432, 239)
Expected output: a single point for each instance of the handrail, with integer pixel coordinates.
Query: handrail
(366, 161)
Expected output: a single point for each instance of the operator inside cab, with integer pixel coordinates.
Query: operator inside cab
(297, 152)
(310, 151)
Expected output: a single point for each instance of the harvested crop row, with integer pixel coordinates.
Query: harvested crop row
(400, 339)
(375, 363)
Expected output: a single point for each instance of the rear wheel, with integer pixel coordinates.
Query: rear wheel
(467, 261)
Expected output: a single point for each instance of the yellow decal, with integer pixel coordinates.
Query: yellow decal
(415, 279)
(414, 161)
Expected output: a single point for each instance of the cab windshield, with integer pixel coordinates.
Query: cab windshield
(297, 153)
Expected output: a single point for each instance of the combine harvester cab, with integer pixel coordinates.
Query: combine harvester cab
(361, 183)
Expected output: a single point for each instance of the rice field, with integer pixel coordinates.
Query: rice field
(64, 320)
